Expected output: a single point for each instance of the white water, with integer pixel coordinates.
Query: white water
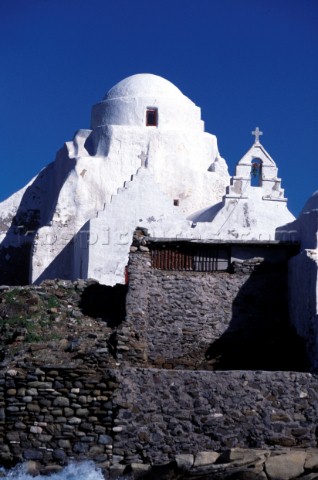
(74, 471)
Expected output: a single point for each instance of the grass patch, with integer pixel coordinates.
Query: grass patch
(37, 329)
(12, 297)
(52, 302)
(32, 337)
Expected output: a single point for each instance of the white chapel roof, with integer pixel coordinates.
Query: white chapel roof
(143, 85)
(125, 104)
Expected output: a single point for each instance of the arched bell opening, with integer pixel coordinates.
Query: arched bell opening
(256, 172)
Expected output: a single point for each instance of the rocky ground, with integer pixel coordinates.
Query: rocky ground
(58, 322)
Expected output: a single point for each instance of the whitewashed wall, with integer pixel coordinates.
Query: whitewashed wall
(303, 279)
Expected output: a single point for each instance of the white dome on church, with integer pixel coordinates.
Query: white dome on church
(146, 100)
(143, 85)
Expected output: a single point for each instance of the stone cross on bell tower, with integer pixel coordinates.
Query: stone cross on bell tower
(257, 133)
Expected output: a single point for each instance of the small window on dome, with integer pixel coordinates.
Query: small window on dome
(152, 117)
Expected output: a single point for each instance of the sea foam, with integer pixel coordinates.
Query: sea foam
(74, 471)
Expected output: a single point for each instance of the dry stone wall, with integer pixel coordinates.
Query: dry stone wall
(207, 320)
(164, 413)
(54, 415)
(131, 419)
(146, 390)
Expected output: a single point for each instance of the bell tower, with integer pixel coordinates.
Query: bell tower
(256, 174)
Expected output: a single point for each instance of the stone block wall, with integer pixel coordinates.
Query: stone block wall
(147, 416)
(52, 415)
(163, 413)
(207, 320)
(158, 402)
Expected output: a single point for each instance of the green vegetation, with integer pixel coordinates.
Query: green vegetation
(11, 296)
(27, 315)
(52, 302)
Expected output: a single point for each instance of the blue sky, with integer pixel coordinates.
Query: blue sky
(246, 63)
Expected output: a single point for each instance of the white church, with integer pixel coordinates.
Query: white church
(148, 162)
